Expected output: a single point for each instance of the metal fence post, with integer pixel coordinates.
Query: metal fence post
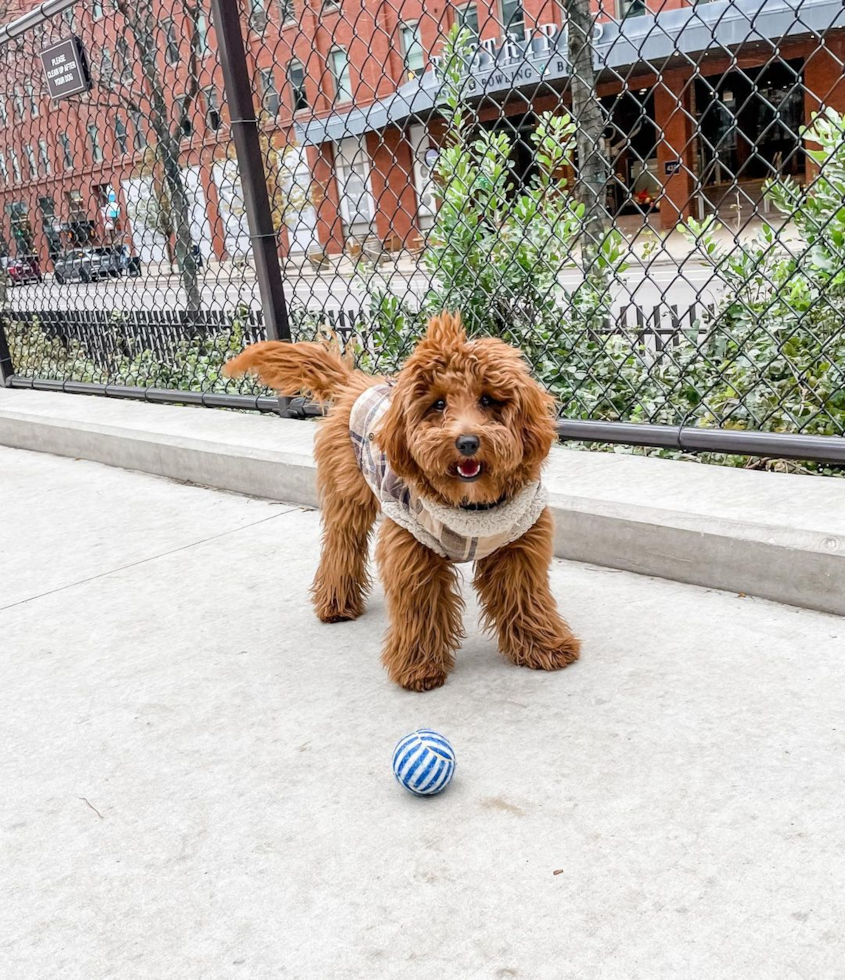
(238, 95)
(6, 369)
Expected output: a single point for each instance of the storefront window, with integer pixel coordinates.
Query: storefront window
(749, 124)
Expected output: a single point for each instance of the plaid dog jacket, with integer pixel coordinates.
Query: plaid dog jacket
(453, 533)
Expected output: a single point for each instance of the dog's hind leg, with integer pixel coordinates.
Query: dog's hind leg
(425, 610)
(513, 585)
(349, 511)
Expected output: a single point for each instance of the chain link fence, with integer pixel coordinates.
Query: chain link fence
(646, 198)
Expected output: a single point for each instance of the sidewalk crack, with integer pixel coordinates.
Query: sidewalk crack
(143, 561)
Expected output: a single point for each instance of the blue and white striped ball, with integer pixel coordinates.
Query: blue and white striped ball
(424, 762)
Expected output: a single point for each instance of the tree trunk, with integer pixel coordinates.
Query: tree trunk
(142, 24)
(588, 115)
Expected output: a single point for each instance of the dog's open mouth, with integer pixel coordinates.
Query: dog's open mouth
(468, 470)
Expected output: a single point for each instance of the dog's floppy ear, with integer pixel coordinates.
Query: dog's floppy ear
(535, 417)
(391, 435)
(445, 331)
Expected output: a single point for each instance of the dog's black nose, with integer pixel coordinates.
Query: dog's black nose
(467, 445)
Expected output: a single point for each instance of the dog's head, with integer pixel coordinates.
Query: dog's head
(467, 425)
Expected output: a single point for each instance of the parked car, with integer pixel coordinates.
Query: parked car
(23, 268)
(86, 264)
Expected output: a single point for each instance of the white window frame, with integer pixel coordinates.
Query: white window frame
(44, 153)
(94, 143)
(30, 159)
(67, 151)
(512, 30)
(353, 161)
(342, 91)
(412, 26)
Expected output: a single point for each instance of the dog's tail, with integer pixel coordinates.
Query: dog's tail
(291, 369)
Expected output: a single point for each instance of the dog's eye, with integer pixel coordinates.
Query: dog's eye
(439, 405)
(487, 402)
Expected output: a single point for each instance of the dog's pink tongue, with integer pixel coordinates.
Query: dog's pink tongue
(469, 468)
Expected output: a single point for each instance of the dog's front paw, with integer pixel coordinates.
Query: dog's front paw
(557, 657)
(334, 608)
(421, 679)
(414, 673)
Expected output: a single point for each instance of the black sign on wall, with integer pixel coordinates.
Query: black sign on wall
(672, 167)
(66, 68)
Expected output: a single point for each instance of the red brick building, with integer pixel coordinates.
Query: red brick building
(701, 106)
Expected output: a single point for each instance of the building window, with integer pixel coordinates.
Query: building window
(296, 79)
(202, 34)
(121, 136)
(257, 15)
(212, 109)
(4, 170)
(67, 153)
(94, 140)
(513, 18)
(632, 8)
(33, 100)
(98, 9)
(106, 65)
(69, 18)
(124, 62)
(287, 11)
(352, 164)
(186, 123)
(412, 50)
(138, 138)
(468, 18)
(16, 164)
(339, 62)
(171, 50)
(17, 98)
(45, 157)
(30, 160)
(269, 92)
(4, 115)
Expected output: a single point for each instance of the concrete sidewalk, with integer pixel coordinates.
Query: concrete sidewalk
(196, 774)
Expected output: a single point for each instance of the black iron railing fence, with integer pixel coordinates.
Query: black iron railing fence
(647, 201)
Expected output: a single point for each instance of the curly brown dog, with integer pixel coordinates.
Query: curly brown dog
(451, 454)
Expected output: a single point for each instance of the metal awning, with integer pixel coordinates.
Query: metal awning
(720, 26)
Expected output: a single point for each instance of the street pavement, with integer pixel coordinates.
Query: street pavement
(225, 289)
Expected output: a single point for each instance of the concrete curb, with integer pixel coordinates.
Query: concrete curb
(772, 535)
